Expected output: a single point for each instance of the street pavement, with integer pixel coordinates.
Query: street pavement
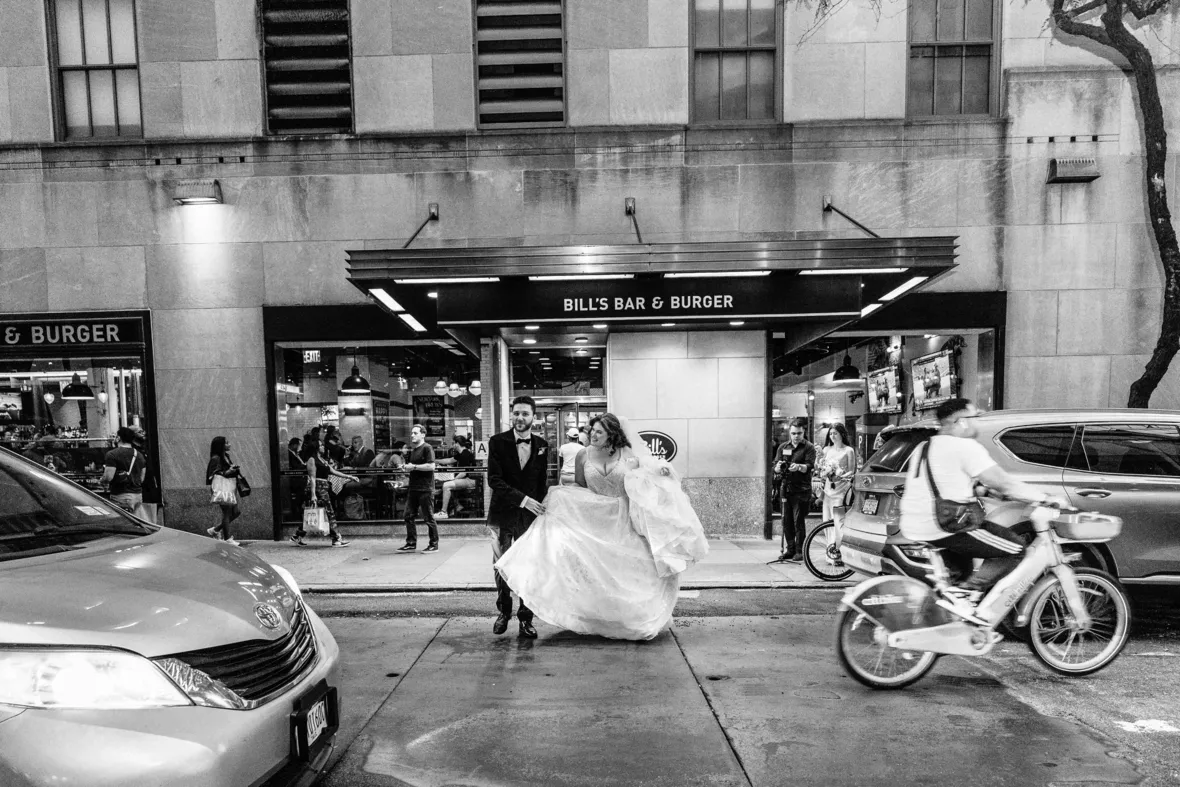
(373, 564)
(732, 701)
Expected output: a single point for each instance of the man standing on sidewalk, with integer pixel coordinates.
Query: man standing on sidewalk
(794, 461)
(420, 495)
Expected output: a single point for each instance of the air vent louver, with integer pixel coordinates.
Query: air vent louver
(520, 62)
(308, 67)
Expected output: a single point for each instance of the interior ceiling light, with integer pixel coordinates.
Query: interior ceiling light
(474, 388)
(409, 320)
(667, 324)
(715, 274)
(849, 271)
(386, 299)
(528, 341)
(909, 285)
(534, 352)
(532, 327)
(584, 277)
(460, 280)
(599, 326)
(354, 383)
(432, 295)
(872, 307)
(579, 352)
(581, 340)
(77, 389)
(737, 322)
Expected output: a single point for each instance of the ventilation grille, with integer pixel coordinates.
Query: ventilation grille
(520, 62)
(308, 74)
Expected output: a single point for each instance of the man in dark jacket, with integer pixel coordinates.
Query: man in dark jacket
(795, 461)
(517, 473)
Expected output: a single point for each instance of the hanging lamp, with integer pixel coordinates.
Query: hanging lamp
(77, 389)
(354, 383)
(847, 371)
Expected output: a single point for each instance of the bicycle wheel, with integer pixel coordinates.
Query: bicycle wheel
(1072, 652)
(860, 644)
(818, 558)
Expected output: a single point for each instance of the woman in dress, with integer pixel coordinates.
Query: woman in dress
(605, 557)
(220, 464)
(839, 468)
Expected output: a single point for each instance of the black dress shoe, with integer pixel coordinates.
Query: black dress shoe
(526, 630)
(501, 625)
(407, 548)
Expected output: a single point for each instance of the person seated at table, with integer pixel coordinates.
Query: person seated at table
(463, 458)
(359, 455)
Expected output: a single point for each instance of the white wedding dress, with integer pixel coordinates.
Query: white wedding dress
(606, 559)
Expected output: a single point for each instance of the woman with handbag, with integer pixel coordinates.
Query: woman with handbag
(222, 475)
(839, 468)
(320, 477)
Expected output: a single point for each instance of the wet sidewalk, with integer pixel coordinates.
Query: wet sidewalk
(372, 564)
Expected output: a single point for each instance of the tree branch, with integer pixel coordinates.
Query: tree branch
(1064, 19)
(1074, 13)
(1141, 10)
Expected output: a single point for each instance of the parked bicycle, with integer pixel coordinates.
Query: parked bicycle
(892, 629)
(821, 555)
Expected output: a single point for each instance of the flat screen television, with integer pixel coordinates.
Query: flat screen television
(885, 390)
(934, 379)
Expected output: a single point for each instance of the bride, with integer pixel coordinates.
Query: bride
(606, 555)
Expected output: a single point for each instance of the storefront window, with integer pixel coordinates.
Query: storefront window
(68, 384)
(372, 395)
(896, 380)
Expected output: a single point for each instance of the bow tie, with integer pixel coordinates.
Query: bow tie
(524, 440)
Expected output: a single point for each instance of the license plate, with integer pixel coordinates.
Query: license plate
(314, 721)
(868, 505)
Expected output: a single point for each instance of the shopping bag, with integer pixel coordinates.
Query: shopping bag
(225, 491)
(243, 486)
(315, 521)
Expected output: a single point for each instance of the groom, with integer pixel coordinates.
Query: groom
(517, 469)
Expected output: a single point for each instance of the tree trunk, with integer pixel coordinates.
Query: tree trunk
(1155, 139)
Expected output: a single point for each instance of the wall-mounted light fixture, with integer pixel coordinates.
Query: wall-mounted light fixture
(199, 191)
(1073, 170)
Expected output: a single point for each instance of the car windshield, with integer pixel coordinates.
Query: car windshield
(892, 456)
(41, 513)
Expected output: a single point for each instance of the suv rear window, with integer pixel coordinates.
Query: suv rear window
(1040, 445)
(1133, 449)
(893, 455)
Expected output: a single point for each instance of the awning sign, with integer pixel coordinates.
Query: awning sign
(647, 299)
(88, 332)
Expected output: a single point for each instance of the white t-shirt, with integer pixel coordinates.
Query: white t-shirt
(958, 461)
(568, 452)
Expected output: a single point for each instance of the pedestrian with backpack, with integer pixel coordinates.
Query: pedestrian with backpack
(123, 468)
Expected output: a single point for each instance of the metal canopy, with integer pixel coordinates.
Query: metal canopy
(652, 258)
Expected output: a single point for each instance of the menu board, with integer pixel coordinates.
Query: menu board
(381, 429)
(431, 412)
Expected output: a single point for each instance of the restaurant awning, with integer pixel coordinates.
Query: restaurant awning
(822, 283)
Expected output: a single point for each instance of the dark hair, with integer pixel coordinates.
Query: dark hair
(126, 434)
(293, 442)
(217, 446)
(463, 441)
(950, 407)
(314, 431)
(524, 400)
(801, 423)
(838, 427)
(615, 439)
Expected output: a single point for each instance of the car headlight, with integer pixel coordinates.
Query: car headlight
(289, 579)
(84, 680)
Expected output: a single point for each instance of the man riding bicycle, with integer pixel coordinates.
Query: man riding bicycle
(957, 461)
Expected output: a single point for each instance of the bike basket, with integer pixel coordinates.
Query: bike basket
(1087, 526)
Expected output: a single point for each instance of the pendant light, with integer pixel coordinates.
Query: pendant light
(847, 371)
(354, 383)
(77, 389)
(440, 388)
(474, 388)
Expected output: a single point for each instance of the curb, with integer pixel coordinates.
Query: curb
(343, 590)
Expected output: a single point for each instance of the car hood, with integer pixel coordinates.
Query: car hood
(165, 593)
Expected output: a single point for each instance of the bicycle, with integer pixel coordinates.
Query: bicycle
(892, 629)
(822, 556)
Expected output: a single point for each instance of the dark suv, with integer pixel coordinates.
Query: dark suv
(1120, 462)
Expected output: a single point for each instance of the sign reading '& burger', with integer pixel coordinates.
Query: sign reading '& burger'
(72, 333)
(661, 445)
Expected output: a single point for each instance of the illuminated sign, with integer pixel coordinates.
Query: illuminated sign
(661, 445)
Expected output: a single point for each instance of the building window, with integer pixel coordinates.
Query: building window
(735, 47)
(308, 67)
(950, 63)
(520, 63)
(97, 68)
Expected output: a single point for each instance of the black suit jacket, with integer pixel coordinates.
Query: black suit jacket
(511, 483)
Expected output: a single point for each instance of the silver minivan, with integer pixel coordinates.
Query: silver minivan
(133, 655)
(1120, 462)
